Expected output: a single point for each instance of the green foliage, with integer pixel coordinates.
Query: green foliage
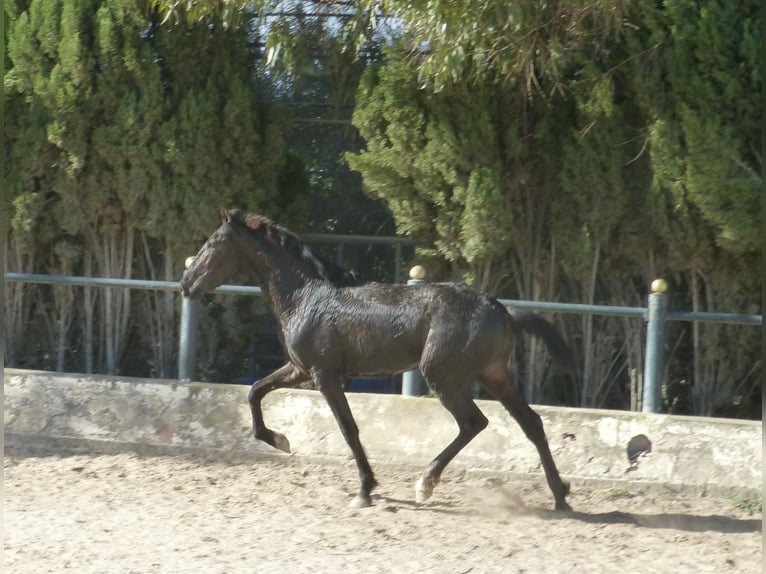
(572, 150)
(432, 159)
(634, 157)
(138, 123)
(697, 82)
(121, 130)
(702, 98)
(450, 41)
(747, 504)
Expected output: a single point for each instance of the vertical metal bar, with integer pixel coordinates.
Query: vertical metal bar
(413, 384)
(655, 341)
(187, 344)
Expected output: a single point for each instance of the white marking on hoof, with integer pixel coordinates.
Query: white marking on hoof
(360, 501)
(424, 488)
(281, 442)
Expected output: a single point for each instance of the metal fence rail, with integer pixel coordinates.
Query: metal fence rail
(571, 308)
(643, 312)
(656, 314)
(128, 283)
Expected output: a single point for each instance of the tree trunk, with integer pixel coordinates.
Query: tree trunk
(588, 372)
(160, 313)
(528, 271)
(118, 263)
(64, 306)
(18, 304)
(89, 303)
(696, 350)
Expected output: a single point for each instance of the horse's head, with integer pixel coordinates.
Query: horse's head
(259, 246)
(217, 260)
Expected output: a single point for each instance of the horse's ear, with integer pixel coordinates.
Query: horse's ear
(225, 215)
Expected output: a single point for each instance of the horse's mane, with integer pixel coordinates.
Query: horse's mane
(291, 243)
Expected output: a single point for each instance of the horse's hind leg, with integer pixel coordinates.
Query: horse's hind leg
(331, 387)
(287, 376)
(470, 420)
(498, 382)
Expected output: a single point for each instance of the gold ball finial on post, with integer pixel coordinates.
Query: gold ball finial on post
(659, 286)
(418, 272)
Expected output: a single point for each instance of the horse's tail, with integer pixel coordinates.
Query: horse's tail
(522, 320)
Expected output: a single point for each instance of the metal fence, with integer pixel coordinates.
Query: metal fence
(656, 314)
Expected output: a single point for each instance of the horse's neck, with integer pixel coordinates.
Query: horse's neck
(282, 280)
(281, 294)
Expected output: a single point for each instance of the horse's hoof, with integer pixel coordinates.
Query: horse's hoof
(561, 503)
(424, 488)
(281, 442)
(360, 501)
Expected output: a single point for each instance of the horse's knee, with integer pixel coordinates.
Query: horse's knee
(253, 397)
(476, 423)
(535, 420)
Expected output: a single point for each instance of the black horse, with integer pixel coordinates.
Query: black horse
(332, 328)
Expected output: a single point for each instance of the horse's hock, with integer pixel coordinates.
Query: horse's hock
(588, 445)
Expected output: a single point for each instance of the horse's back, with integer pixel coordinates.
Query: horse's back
(454, 326)
(379, 328)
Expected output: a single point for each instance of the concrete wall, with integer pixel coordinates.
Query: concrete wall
(588, 445)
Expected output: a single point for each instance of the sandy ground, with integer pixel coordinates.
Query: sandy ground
(127, 513)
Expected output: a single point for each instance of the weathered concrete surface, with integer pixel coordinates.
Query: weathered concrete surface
(689, 452)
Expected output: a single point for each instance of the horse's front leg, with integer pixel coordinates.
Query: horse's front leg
(331, 387)
(286, 376)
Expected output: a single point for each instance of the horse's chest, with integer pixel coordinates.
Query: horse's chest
(312, 342)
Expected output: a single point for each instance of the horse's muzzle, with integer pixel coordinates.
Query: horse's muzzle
(185, 287)
(192, 289)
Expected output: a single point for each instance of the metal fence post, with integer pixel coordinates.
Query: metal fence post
(655, 341)
(413, 384)
(187, 340)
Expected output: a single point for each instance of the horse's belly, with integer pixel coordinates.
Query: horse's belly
(353, 351)
(367, 358)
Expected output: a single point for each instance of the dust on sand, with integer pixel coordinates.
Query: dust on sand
(79, 511)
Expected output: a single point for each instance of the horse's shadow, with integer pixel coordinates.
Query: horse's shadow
(672, 521)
